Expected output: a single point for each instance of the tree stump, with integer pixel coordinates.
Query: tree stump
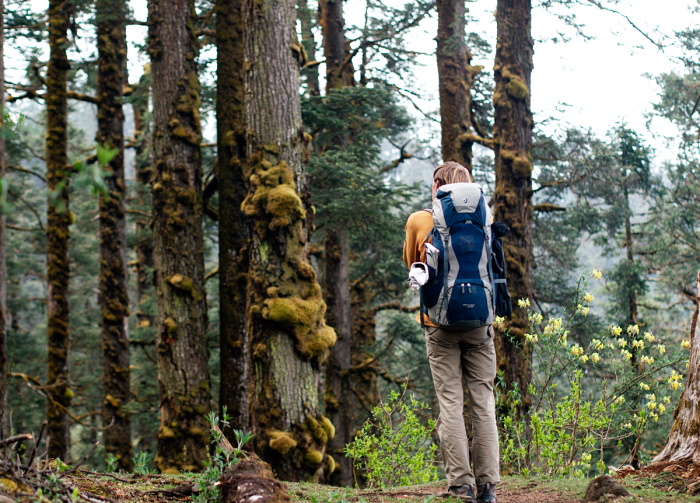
(251, 480)
(603, 485)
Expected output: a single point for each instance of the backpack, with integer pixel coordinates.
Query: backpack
(459, 293)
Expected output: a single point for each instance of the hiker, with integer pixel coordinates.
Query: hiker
(456, 354)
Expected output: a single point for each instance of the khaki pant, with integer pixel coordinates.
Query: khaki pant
(453, 354)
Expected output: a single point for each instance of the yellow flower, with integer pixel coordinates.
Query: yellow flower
(648, 360)
(638, 344)
(584, 358)
(651, 405)
(535, 318)
(628, 425)
(531, 337)
(620, 399)
(685, 344)
(588, 297)
(654, 416)
(562, 339)
(633, 329)
(595, 357)
(586, 457)
(596, 274)
(644, 386)
(651, 397)
(675, 385)
(576, 350)
(661, 408)
(585, 310)
(667, 399)
(615, 330)
(524, 303)
(661, 348)
(649, 337)
(626, 354)
(621, 342)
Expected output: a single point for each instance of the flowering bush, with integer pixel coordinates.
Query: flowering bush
(589, 401)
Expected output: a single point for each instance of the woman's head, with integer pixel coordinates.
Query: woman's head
(450, 172)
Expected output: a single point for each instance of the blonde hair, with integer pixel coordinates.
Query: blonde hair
(451, 172)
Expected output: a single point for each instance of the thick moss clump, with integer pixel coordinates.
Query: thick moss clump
(281, 441)
(274, 195)
(305, 319)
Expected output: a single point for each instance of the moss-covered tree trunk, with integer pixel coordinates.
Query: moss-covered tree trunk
(3, 261)
(181, 341)
(58, 392)
(233, 230)
(306, 17)
(338, 398)
(683, 443)
(513, 193)
(454, 82)
(114, 301)
(142, 201)
(285, 308)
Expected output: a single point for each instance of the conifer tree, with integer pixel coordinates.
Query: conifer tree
(59, 393)
(111, 46)
(285, 309)
(233, 230)
(178, 262)
(3, 240)
(513, 193)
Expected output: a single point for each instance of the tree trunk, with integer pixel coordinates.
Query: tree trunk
(233, 230)
(306, 16)
(114, 301)
(142, 199)
(3, 262)
(513, 193)
(454, 82)
(3, 242)
(181, 340)
(338, 398)
(683, 443)
(285, 310)
(59, 393)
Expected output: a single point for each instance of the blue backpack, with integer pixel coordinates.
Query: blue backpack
(460, 290)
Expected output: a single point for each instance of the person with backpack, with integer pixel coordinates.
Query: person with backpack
(448, 251)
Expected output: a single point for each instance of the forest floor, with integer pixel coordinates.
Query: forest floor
(659, 486)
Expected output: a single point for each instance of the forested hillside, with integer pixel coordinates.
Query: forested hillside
(202, 220)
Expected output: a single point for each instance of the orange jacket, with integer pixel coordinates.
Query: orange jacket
(418, 227)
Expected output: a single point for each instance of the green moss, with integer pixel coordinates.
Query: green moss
(317, 431)
(281, 441)
(328, 426)
(284, 205)
(331, 465)
(313, 457)
(166, 432)
(516, 86)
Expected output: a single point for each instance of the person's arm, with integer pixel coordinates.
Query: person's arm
(418, 227)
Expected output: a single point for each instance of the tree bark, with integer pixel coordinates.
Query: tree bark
(454, 82)
(306, 16)
(59, 393)
(338, 397)
(233, 230)
(181, 340)
(3, 256)
(114, 301)
(513, 193)
(144, 173)
(285, 310)
(683, 443)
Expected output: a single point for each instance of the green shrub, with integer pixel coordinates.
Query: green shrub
(393, 447)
